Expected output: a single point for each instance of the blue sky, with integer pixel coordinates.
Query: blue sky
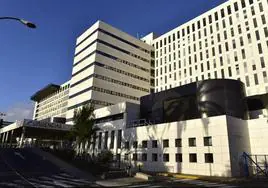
(30, 59)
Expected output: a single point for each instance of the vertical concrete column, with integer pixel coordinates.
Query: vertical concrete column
(3, 139)
(22, 136)
(11, 138)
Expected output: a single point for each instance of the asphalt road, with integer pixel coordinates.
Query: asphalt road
(23, 168)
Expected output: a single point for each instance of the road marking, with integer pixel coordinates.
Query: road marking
(19, 154)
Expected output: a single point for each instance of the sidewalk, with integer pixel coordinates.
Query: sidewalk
(119, 182)
(244, 182)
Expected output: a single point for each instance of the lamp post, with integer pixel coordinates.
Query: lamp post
(24, 22)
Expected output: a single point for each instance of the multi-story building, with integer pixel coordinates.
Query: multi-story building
(109, 66)
(51, 102)
(229, 41)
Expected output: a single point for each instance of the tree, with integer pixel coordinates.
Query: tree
(84, 129)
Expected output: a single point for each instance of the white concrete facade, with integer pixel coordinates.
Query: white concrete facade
(109, 67)
(208, 146)
(54, 105)
(229, 41)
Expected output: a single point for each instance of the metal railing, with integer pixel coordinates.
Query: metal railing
(255, 165)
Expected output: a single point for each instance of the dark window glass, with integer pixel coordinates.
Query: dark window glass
(105, 140)
(192, 142)
(216, 16)
(144, 157)
(229, 10)
(135, 157)
(154, 157)
(178, 157)
(135, 144)
(126, 145)
(119, 138)
(236, 6)
(208, 141)
(166, 157)
(126, 157)
(100, 139)
(154, 143)
(166, 143)
(256, 79)
(192, 158)
(243, 4)
(222, 13)
(208, 158)
(144, 144)
(178, 142)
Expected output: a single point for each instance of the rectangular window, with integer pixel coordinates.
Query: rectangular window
(257, 35)
(135, 157)
(264, 77)
(119, 138)
(154, 143)
(144, 144)
(135, 144)
(178, 142)
(106, 140)
(127, 145)
(265, 32)
(100, 139)
(260, 48)
(166, 157)
(263, 20)
(208, 141)
(178, 157)
(192, 142)
(256, 79)
(262, 62)
(126, 157)
(154, 157)
(166, 143)
(112, 140)
(230, 71)
(243, 4)
(247, 81)
(144, 157)
(192, 158)
(208, 158)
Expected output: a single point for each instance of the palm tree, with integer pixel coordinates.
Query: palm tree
(84, 129)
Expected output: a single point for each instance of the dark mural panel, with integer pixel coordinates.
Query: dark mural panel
(211, 97)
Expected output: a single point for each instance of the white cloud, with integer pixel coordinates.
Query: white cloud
(18, 111)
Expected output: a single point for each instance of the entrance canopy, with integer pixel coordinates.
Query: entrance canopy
(37, 129)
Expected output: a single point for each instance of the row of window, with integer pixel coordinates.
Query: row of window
(120, 82)
(178, 143)
(112, 35)
(209, 19)
(178, 157)
(121, 71)
(111, 46)
(90, 101)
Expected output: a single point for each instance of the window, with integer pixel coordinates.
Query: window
(178, 157)
(264, 77)
(105, 139)
(119, 138)
(256, 79)
(208, 141)
(247, 81)
(100, 138)
(265, 32)
(144, 144)
(178, 142)
(229, 10)
(126, 157)
(154, 143)
(135, 157)
(144, 156)
(166, 143)
(192, 158)
(260, 48)
(166, 157)
(262, 62)
(126, 145)
(135, 144)
(208, 158)
(243, 4)
(192, 142)
(236, 6)
(154, 157)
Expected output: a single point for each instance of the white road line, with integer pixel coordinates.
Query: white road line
(59, 183)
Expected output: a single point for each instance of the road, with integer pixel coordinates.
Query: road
(23, 168)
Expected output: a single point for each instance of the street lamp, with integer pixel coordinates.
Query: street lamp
(24, 22)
